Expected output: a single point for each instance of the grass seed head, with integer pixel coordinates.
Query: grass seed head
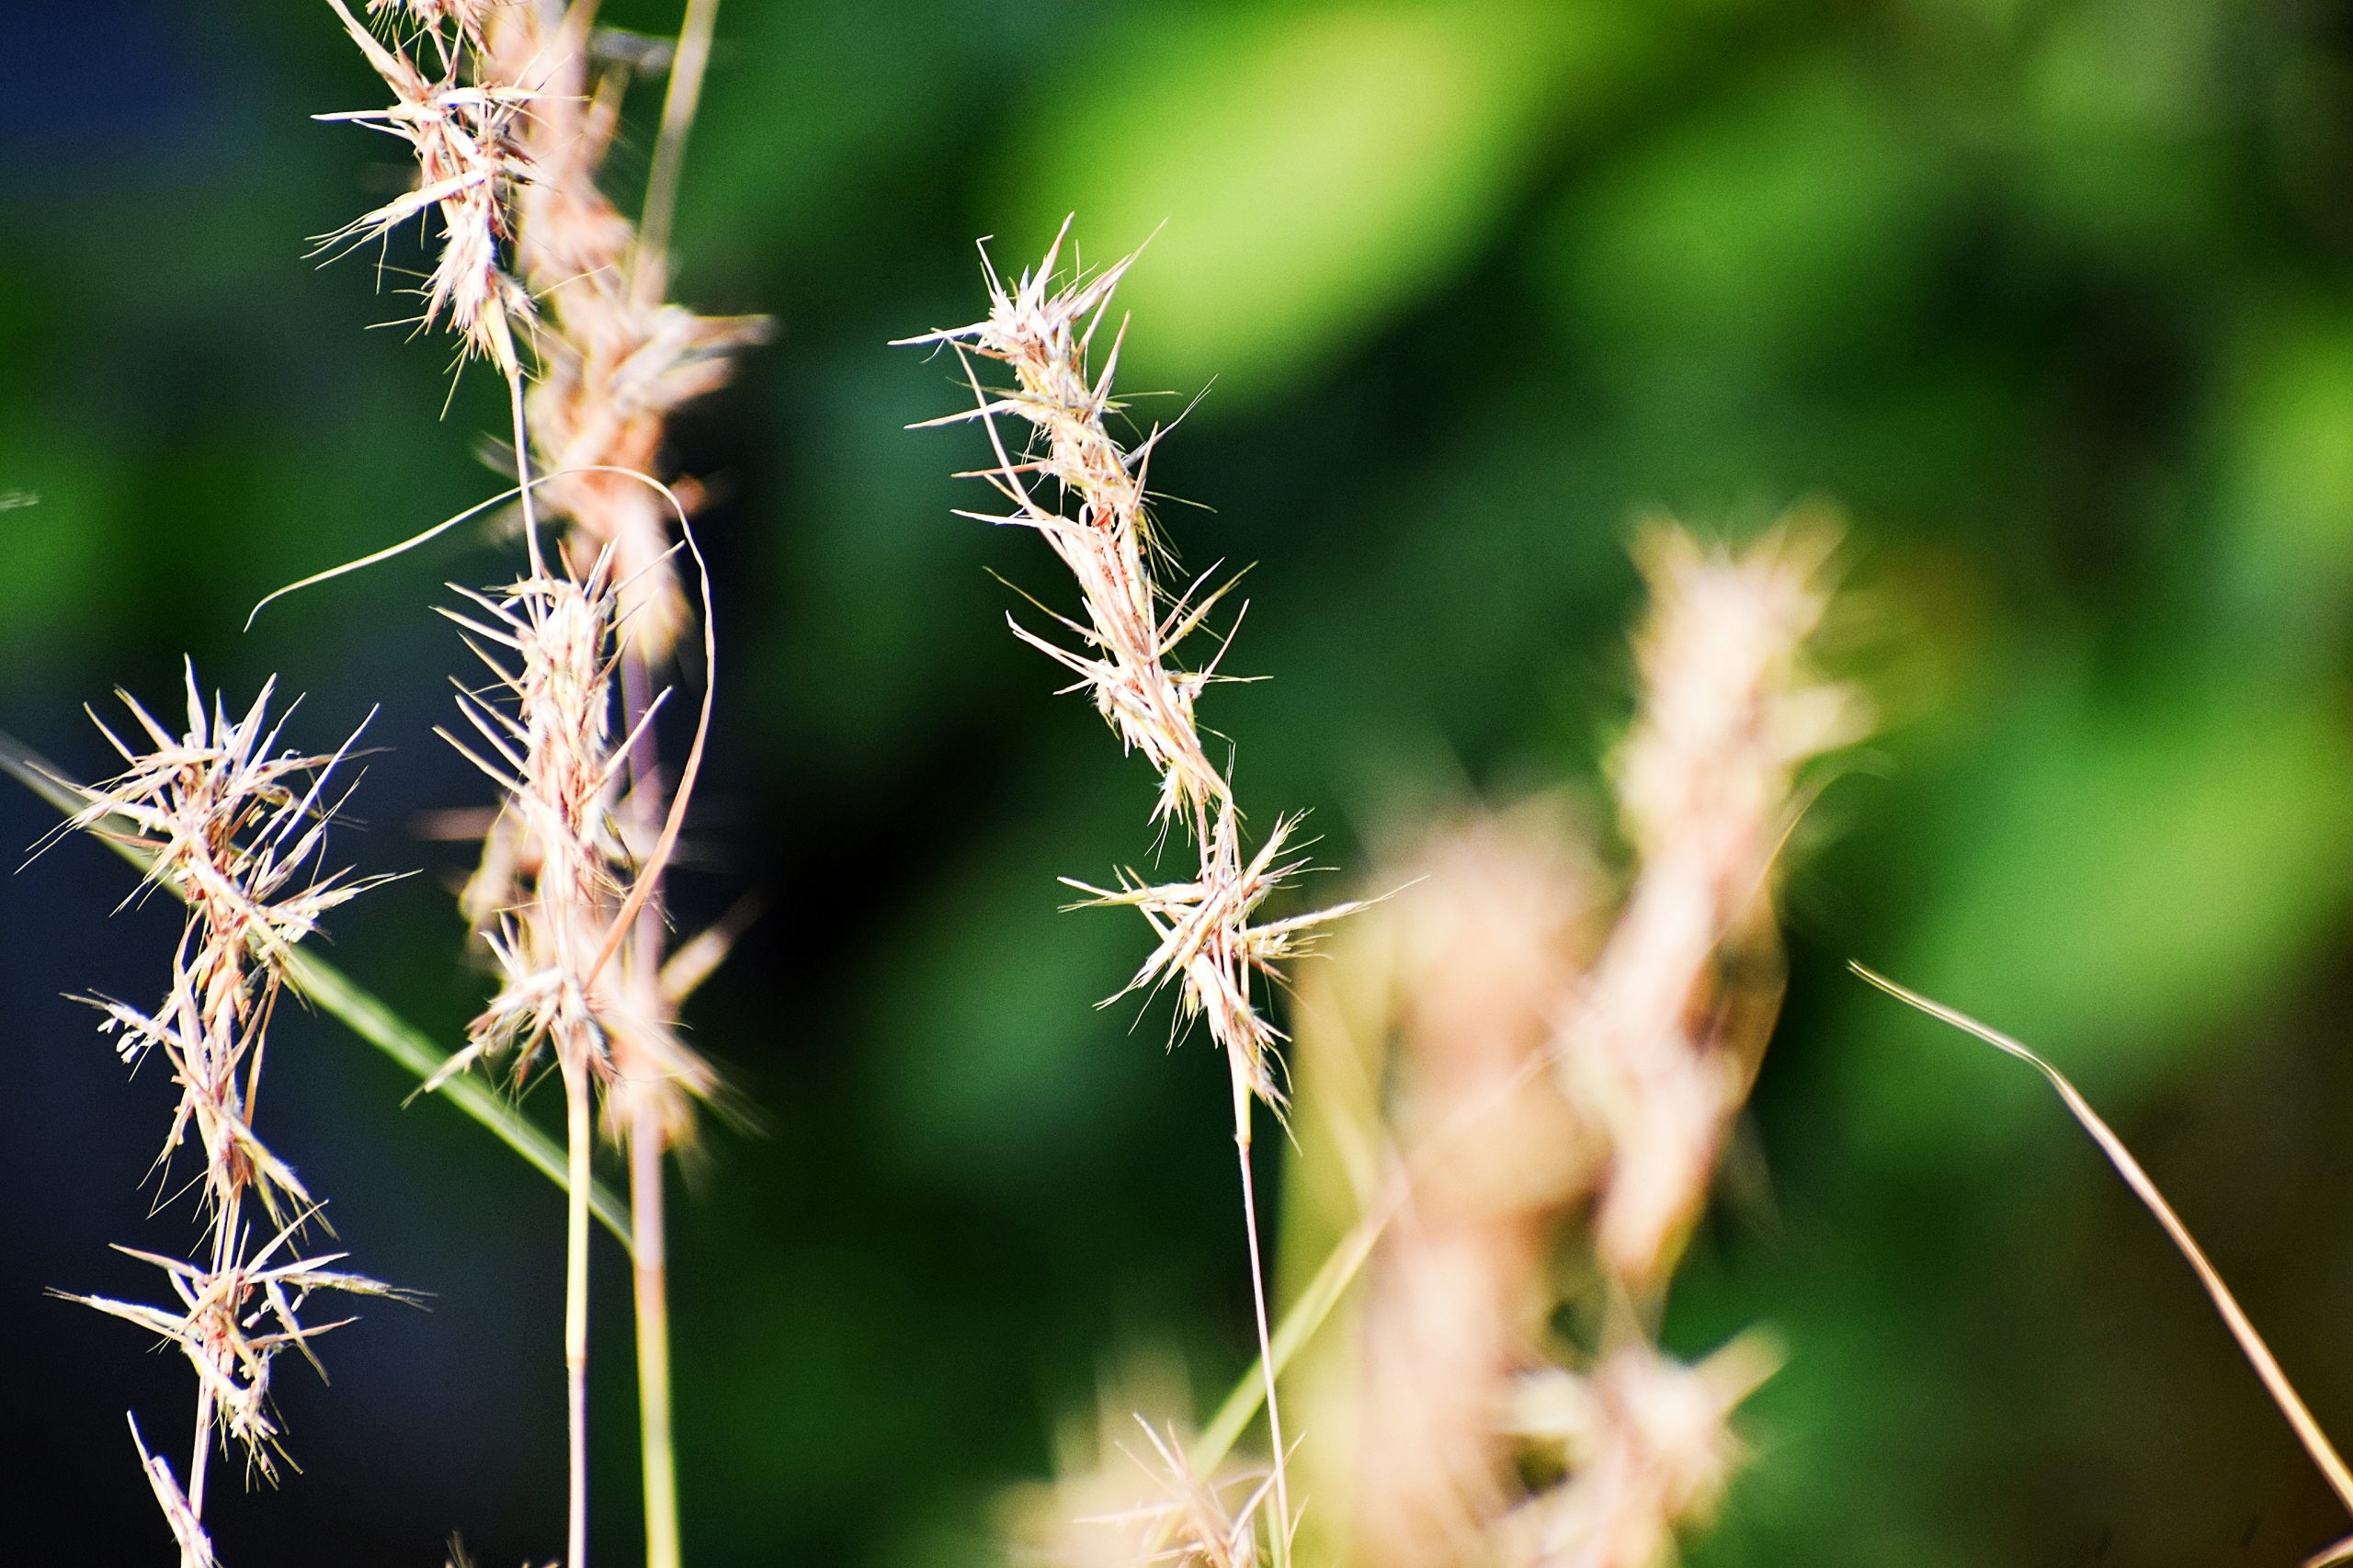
(234, 826)
(232, 1322)
(1042, 329)
(543, 733)
(1210, 943)
(461, 133)
(613, 366)
(1649, 1448)
(1662, 1046)
(557, 867)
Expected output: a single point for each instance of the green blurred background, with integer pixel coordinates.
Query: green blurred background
(2055, 300)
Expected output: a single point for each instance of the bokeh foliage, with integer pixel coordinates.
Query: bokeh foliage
(2054, 300)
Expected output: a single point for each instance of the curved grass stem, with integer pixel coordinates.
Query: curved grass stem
(2283, 1393)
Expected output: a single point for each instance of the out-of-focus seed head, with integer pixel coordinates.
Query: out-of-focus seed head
(1649, 1448)
(1486, 938)
(1731, 705)
(1660, 1048)
(613, 366)
(461, 19)
(1139, 1503)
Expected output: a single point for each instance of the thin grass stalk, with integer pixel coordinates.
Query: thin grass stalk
(649, 278)
(579, 1119)
(1323, 1292)
(647, 1142)
(199, 1453)
(649, 1276)
(2251, 1344)
(1280, 1481)
(580, 1131)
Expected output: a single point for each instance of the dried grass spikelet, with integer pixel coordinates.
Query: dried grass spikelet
(461, 133)
(557, 868)
(236, 828)
(614, 364)
(1648, 1448)
(461, 19)
(1140, 1504)
(1484, 944)
(1662, 1046)
(1210, 946)
(560, 768)
(231, 1321)
(1043, 330)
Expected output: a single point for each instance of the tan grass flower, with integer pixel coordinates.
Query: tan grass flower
(548, 745)
(1208, 942)
(1043, 330)
(1648, 1446)
(1211, 948)
(232, 1322)
(460, 18)
(613, 365)
(236, 829)
(558, 865)
(1474, 959)
(1662, 1046)
(462, 135)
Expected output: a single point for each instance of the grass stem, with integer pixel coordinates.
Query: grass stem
(2251, 1344)
(580, 1134)
(651, 1278)
(650, 277)
(1279, 1536)
(199, 1454)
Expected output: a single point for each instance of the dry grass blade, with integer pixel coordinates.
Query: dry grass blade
(2283, 1393)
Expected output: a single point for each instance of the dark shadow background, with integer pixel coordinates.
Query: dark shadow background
(2050, 296)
